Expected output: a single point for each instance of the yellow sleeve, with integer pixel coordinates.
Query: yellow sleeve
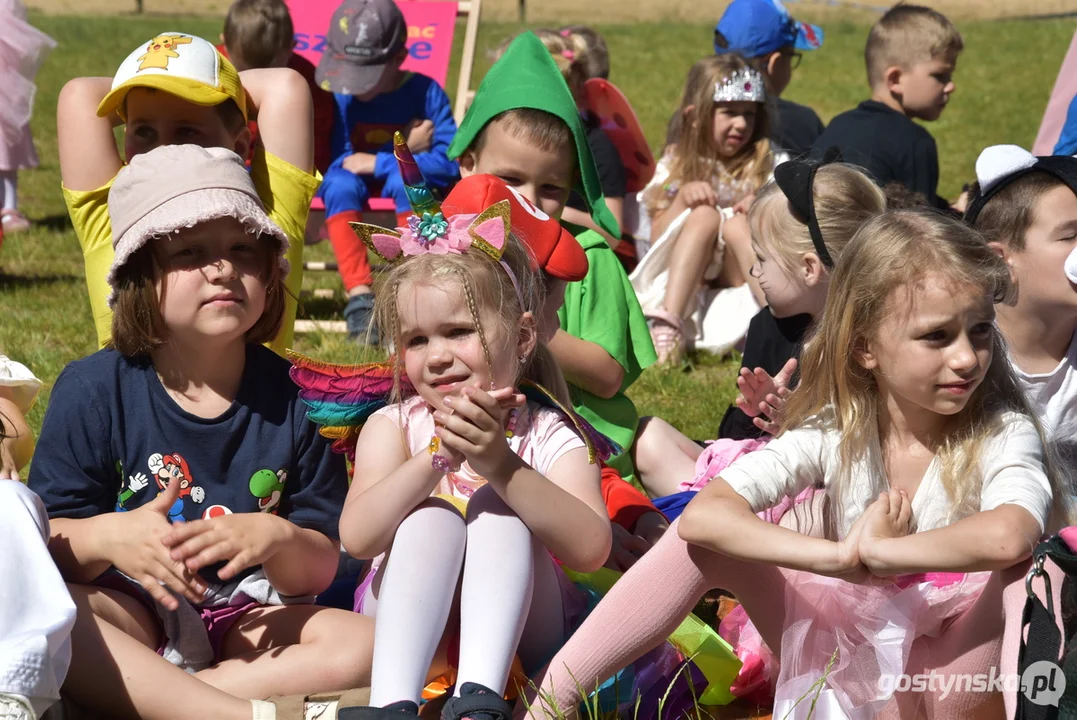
(286, 192)
(89, 216)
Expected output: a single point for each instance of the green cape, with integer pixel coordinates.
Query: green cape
(527, 77)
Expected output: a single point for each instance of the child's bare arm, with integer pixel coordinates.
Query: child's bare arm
(720, 520)
(88, 154)
(564, 510)
(386, 486)
(280, 99)
(992, 540)
(16, 438)
(305, 565)
(578, 217)
(587, 365)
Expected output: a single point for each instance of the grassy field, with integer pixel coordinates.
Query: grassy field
(1003, 87)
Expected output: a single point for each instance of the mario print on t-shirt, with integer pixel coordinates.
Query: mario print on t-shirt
(173, 468)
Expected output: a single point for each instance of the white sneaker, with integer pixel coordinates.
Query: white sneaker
(15, 707)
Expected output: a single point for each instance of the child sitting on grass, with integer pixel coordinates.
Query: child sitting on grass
(720, 159)
(178, 89)
(939, 484)
(524, 127)
(194, 507)
(800, 226)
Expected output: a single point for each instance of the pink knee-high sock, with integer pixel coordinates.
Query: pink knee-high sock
(648, 604)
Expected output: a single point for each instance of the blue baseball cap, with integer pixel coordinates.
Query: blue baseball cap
(758, 27)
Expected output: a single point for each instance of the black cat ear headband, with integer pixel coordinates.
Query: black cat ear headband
(1000, 165)
(795, 179)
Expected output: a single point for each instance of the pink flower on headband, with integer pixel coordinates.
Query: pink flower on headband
(568, 54)
(565, 33)
(437, 235)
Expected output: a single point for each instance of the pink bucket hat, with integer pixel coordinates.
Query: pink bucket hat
(179, 186)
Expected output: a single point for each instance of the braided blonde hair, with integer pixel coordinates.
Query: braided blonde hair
(486, 287)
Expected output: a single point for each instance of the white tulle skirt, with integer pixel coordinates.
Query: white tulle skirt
(22, 50)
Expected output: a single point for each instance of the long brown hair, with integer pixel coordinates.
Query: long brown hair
(692, 128)
(890, 254)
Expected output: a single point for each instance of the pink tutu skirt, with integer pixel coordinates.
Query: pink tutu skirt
(716, 457)
(864, 633)
(22, 50)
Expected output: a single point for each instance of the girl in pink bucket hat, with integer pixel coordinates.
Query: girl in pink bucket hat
(195, 504)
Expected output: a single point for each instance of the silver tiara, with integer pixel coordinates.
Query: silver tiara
(745, 85)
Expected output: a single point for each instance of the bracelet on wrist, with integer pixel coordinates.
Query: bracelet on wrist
(439, 462)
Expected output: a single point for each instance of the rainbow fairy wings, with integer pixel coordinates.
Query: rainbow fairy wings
(341, 398)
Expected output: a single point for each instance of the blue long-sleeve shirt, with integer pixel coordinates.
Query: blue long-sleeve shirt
(368, 127)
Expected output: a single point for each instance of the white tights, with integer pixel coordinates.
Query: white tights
(9, 183)
(508, 589)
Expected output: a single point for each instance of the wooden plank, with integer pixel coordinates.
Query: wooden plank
(467, 61)
(325, 326)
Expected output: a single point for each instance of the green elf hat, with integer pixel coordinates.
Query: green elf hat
(526, 77)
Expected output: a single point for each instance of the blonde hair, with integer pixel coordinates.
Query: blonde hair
(692, 130)
(567, 59)
(844, 197)
(890, 254)
(907, 35)
(590, 48)
(487, 287)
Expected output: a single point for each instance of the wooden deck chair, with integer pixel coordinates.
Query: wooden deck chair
(431, 28)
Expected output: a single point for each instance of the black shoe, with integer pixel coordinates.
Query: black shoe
(402, 710)
(477, 702)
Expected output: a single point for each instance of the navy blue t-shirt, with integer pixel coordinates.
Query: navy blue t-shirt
(113, 438)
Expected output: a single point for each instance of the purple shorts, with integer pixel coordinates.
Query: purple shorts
(217, 620)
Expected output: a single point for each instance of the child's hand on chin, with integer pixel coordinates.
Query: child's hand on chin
(887, 518)
(474, 427)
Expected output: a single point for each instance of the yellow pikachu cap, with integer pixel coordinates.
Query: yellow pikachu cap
(179, 64)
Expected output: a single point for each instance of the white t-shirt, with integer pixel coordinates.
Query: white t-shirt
(1053, 397)
(541, 436)
(1011, 466)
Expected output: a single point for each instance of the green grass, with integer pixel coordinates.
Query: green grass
(45, 318)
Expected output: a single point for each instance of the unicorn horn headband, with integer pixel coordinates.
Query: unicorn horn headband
(429, 232)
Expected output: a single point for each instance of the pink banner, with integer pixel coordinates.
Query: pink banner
(430, 32)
